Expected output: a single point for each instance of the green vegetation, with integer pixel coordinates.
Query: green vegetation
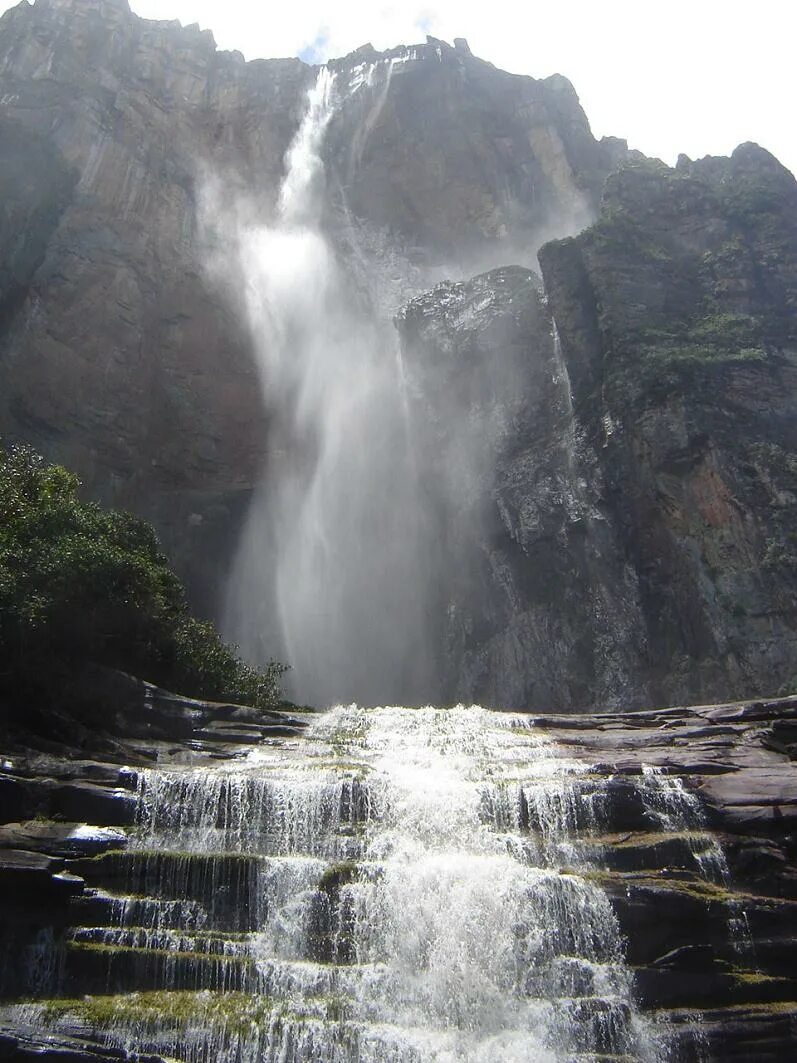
(714, 338)
(235, 1011)
(338, 875)
(82, 585)
(231, 1013)
(667, 356)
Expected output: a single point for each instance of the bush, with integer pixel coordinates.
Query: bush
(80, 584)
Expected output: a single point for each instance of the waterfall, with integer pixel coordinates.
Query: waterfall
(413, 885)
(329, 573)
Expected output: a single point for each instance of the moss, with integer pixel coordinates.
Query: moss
(200, 935)
(128, 855)
(343, 767)
(777, 1007)
(170, 954)
(235, 1011)
(338, 875)
(643, 839)
(698, 889)
(616, 231)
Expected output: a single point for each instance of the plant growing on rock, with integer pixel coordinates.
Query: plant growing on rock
(80, 584)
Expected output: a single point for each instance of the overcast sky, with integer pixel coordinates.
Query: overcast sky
(698, 76)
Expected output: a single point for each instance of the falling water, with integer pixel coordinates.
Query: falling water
(401, 884)
(329, 573)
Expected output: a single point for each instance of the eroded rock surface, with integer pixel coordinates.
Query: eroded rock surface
(678, 321)
(701, 859)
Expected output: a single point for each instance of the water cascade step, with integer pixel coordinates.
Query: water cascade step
(399, 884)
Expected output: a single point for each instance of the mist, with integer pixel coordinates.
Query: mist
(330, 572)
(369, 521)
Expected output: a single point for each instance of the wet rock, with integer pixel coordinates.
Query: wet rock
(19, 1046)
(61, 839)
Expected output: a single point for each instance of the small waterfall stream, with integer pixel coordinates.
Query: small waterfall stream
(399, 884)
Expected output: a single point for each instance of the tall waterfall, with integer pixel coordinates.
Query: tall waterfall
(410, 885)
(330, 573)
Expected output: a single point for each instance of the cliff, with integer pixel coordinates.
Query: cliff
(606, 449)
(677, 321)
(118, 355)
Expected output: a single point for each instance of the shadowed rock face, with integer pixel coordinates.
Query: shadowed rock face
(629, 538)
(534, 604)
(678, 320)
(117, 355)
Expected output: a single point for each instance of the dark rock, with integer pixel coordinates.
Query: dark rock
(19, 1046)
(676, 313)
(61, 839)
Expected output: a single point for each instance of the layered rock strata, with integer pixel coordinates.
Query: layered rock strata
(688, 812)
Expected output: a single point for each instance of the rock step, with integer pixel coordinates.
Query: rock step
(60, 839)
(103, 969)
(697, 911)
(171, 1020)
(77, 801)
(208, 942)
(661, 988)
(745, 1032)
(96, 908)
(32, 1046)
(649, 851)
(225, 884)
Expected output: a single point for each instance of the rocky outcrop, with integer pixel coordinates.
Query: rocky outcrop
(458, 162)
(615, 465)
(700, 808)
(68, 800)
(678, 321)
(532, 604)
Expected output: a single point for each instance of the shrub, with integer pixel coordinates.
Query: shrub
(80, 584)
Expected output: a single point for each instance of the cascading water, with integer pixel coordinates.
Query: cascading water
(329, 574)
(400, 884)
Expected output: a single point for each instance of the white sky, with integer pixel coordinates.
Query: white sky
(698, 76)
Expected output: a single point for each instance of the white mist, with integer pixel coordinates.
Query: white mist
(328, 574)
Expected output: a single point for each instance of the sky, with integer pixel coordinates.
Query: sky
(671, 76)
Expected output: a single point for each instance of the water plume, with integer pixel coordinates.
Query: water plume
(329, 572)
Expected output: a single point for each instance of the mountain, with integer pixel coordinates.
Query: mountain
(603, 435)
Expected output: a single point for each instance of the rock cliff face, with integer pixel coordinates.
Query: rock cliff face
(534, 604)
(117, 355)
(629, 537)
(611, 504)
(678, 321)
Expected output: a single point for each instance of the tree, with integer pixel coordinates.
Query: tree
(80, 584)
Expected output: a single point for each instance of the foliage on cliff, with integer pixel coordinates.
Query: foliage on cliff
(81, 584)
